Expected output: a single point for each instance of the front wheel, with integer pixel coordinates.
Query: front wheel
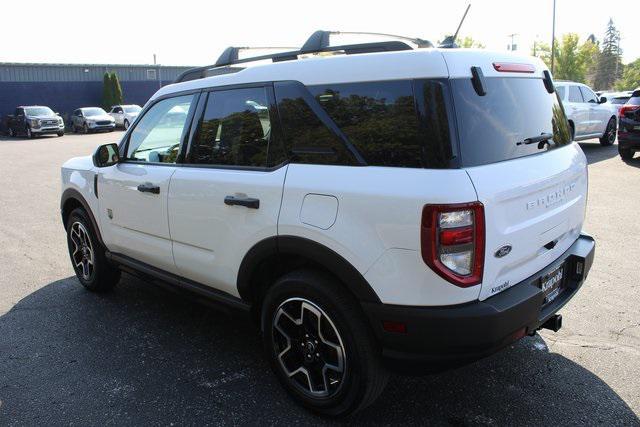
(609, 136)
(29, 133)
(60, 134)
(319, 344)
(88, 259)
(126, 124)
(85, 129)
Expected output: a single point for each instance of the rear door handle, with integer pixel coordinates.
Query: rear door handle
(149, 188)
(248, 202)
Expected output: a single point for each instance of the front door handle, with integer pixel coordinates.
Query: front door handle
(248, 202)
(149, 188)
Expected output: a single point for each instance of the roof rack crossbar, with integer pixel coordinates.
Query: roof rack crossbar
(318, 42)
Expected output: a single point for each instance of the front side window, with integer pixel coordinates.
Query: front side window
(157, 136)
(235, 129)
(574, 94)
(588, 95)
(560, 90)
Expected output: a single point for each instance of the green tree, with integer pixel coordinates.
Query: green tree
(568, 61)
(630, 79)
(542, 51)
(610, 59)
(469, 42)
(107, 92)
(117, 90)
(589, 53)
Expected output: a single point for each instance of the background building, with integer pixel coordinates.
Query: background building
(65, 87)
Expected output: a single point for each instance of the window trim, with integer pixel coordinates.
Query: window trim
(274, 117)
(124, 143)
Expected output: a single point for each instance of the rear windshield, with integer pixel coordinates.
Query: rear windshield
(635, 98)
(513, 110)
(621, 100)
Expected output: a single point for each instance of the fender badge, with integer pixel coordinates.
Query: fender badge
(503, 251)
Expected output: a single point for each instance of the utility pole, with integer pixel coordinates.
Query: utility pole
(553, 38)
(512, 46)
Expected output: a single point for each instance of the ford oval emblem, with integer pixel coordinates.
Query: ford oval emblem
(503, 251)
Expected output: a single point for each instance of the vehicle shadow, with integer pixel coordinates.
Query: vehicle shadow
(142, 355)
(596, 153)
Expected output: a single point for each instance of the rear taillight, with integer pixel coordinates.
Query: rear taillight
(628, 109)
(452, 241)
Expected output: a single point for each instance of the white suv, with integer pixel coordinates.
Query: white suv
(589, 116)
(375, 210)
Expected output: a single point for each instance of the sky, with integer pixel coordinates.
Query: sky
(192, 32)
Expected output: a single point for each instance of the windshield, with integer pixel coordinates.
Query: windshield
(495, 127)
(131, 109)
(39, 111)
(89, 112)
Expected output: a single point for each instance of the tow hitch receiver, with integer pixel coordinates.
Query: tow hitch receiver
(554, 323)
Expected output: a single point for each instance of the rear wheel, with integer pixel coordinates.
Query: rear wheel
(12, 133)
(609, 136)
(87, 255)
(320, 345)
(625, 153)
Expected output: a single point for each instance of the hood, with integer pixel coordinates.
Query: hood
(100, 118)
(47, 117)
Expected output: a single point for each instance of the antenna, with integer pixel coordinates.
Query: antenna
(450, 41)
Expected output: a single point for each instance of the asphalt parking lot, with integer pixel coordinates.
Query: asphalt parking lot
(142, 355)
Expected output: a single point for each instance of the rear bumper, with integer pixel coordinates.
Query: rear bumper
(466, 332)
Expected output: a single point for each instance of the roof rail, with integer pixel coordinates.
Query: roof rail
(318, 42)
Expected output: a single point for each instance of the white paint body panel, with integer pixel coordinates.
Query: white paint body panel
(511, 193)
(379, 209)
(210, 238)
(140, 225)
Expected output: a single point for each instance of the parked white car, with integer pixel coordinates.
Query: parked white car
(371, 211)
(589, 116)
(125, 115)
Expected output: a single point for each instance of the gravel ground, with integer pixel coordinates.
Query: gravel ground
(141, 355)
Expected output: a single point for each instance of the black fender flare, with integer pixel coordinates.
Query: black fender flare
(300, 246)
(73, 194)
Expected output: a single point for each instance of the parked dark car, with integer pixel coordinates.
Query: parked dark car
(34, 121)
(629, 129)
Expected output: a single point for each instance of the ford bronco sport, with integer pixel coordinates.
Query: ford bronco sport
(380, 208)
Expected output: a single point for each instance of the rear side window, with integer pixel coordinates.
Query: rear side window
(309, 139)
(382, 121)
(574, 94)
(635, 98)
(620, 100)
(493, 128)
(235, 129)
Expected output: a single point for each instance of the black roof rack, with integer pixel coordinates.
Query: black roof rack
(317, 43)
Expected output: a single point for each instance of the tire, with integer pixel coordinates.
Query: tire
(610, 132)
(346, 342)
(88, 260)
(625, 153)
(11, 132)
(60, 134)
(85, 129)
(126, 124)
(572, 129)
(28, 133)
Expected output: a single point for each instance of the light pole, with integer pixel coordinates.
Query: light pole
(553, 37)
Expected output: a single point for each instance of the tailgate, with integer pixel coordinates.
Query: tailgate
(533, 204)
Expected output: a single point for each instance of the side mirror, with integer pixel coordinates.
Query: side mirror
(57, 114)
(603, 99)
(106, 155)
